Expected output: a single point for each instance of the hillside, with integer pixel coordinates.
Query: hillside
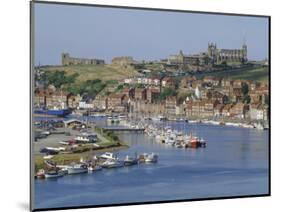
(91, 72)
(257, 74)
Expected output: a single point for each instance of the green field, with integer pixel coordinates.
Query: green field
(256, 74)
(91, 72)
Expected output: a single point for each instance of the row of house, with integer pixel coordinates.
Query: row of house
(151, 81)
(52, 98)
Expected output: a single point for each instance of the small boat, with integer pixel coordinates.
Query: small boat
(77, 169)
(178, 145)
(94, 168)
(86, 138)
(48, 157)
(112, 163)
(40, 174)
(195, 142)
(107, 155)
(130, 161)
(150, 158)
(54, 174)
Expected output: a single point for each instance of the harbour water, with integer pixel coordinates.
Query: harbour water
(234, 163)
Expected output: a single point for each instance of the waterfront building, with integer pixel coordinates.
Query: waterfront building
(100, 102)
(67, 60)
(140, 94)
(239, 110)
(129, 92)
(209, 107)
(237, 94)
(258, 111)
(152, 94)
(51, 98)
(115, 100)
(226, 110)
(218, 110)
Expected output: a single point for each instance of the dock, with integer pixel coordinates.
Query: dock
(122, 129)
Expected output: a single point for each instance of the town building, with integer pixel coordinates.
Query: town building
(140, 94)
(258, 111)
(168, 82)
(116, 100)
(152, 94)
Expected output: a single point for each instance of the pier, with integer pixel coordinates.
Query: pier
(122, 129)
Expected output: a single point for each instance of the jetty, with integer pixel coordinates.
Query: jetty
(122, 129)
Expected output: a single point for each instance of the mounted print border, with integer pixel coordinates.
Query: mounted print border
(131, 128)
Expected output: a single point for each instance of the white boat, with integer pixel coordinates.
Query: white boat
(58, 149)
(108, 155)
(87, 138)
(150, 158)
(54, 174)
(111, 163)
(77, 169)
(48, 157)
(45, 133)
(159, 118)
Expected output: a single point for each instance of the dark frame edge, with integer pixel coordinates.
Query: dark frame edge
(147, 8)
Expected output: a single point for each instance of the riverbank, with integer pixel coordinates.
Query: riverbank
(104, 143)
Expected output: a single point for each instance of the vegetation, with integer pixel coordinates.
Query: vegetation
(258, 74)
(167, 92)
(106, 73)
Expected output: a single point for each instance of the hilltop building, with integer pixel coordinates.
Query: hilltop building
(67, 60)
(212, 56)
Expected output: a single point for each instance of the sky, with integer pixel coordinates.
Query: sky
(104, 33)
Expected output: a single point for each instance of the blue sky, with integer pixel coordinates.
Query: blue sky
(95, 32)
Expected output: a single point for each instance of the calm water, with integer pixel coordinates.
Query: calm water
(235, 162)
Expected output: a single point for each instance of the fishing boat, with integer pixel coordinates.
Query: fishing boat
(129, 161)
(54, 174)
(195, 142)
(111, 163)
(77, 169)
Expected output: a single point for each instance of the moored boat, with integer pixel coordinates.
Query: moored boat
(77, 169)
(54, 174)
(112, 163)
(40, 174)
(130, 161)
(148, 158)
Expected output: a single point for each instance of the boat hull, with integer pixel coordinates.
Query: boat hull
(77, 170)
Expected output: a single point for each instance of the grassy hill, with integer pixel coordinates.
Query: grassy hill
(91, 72)
(257, 74)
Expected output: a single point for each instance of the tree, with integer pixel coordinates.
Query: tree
(245, 89)
(167, 92)
(246, 99)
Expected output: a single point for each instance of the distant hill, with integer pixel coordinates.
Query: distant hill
(91, 72)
